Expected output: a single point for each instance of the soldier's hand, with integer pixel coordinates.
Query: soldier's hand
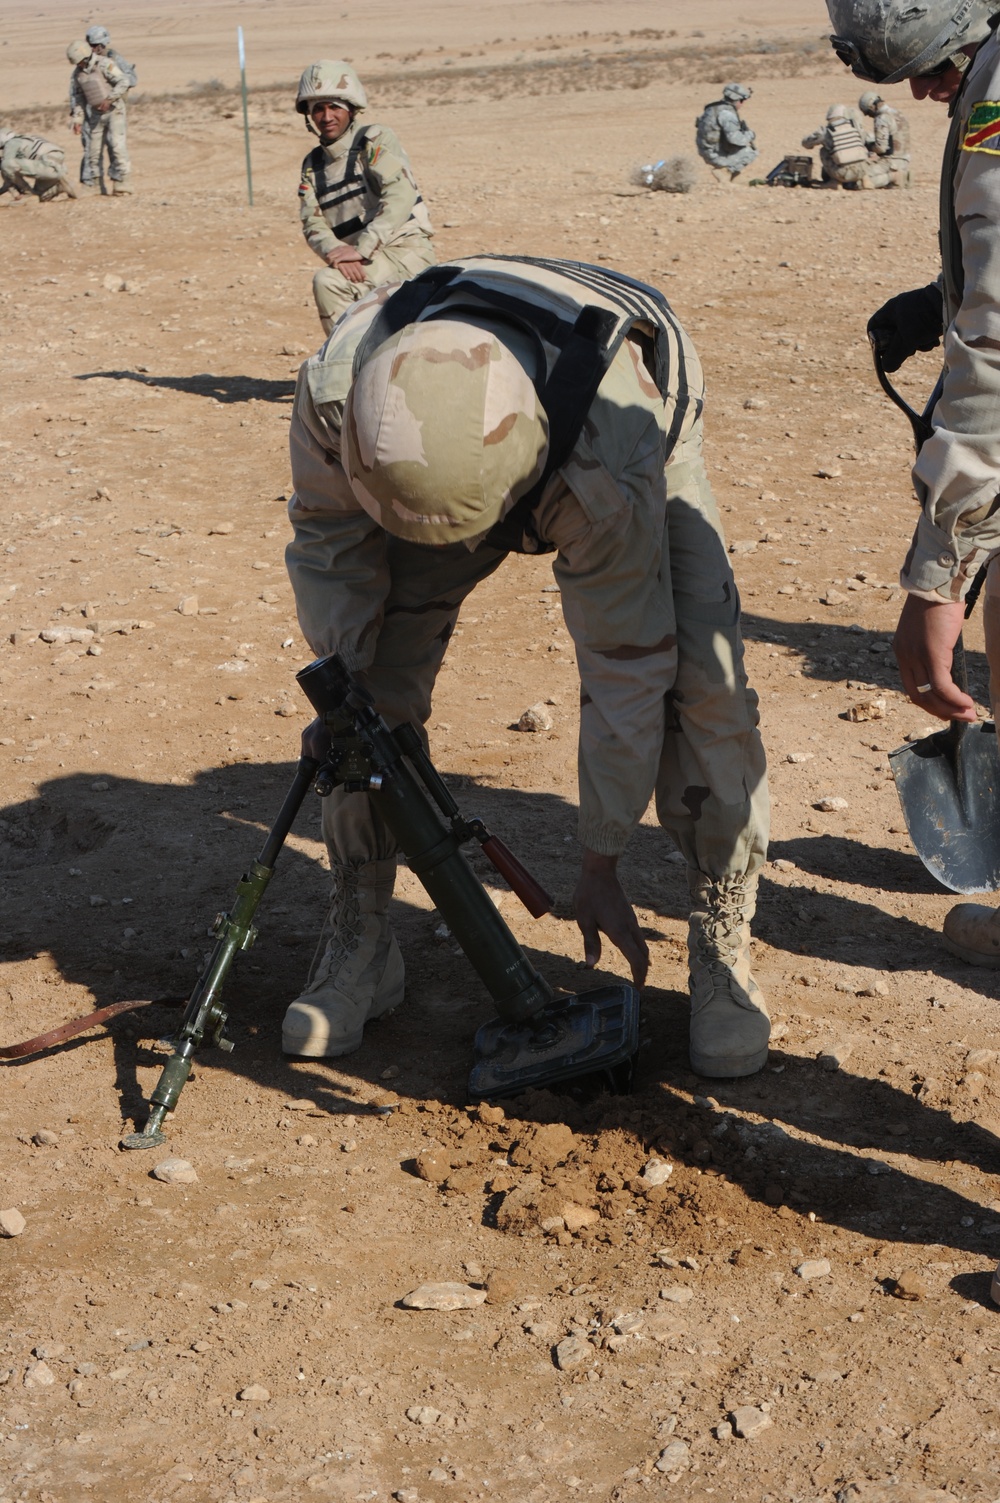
(316, 740)
(601, 907)
(348, 261)
(77, 128)
(924, 643)
(907, 323)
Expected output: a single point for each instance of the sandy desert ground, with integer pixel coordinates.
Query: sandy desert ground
(241, 1338)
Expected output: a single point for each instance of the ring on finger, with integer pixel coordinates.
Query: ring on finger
(924, 688)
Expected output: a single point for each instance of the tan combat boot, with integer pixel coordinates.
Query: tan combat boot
(360, 975)
(730, 1027)
(972, 930)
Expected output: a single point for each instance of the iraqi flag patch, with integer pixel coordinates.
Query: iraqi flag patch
(983, 130)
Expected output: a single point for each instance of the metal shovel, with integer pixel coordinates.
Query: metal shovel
(949, 782)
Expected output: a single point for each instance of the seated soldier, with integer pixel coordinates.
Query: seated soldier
(361, 210)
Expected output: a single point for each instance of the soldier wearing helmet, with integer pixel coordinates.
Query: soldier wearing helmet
(497, 405)
(890, 137)
(359, 203)
(723, 138)
(844, 151)
(31, 164)
(99, 39)
(97, 92)
(949, 53)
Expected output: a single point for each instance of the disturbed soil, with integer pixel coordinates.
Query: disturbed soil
(241, 1337)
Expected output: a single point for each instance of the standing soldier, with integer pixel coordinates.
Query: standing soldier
(890, 137)
(30, 164)
(950, 54)
(97, 90)
(360, 207)
(843, 153)
(100, 42)
(723, 139)
(497, 405)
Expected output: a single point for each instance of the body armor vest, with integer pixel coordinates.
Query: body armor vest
(93, 85)
(347, 199)
(845, 144)
(577, 316)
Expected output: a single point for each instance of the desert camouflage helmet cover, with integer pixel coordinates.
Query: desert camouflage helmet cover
(443, 430)
(837, 112)
(78, 52)
(736, 92)
(886, 41)
(869, 102)
(98, 36)
(330, 80)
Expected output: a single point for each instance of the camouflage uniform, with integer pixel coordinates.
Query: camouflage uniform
(891, 142)
(647, 591)
(361, 191)
(30, 164)
(723, 139)
(844, 151)
(100, 128)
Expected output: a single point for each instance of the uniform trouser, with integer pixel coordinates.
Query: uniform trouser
(98, 130)
(869, 174)
(36, 174)
(711, 791)
(334, 294)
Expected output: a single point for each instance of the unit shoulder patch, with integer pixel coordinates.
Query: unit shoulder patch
(982, 133)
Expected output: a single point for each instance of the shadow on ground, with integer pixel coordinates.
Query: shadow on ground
(161, 859)
(220, 388)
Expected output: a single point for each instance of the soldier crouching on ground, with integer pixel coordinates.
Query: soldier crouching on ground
(360, 207)
(844, 154)
(890, 137)
(97, 90)
(723, 138)
(30, 164)
(496, 405)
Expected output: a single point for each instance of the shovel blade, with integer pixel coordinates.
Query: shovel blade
(950, 795)
(593, 1033)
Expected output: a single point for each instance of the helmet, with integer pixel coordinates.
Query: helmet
(443, 430)
(78, 52)
(869, 102)
(837, 112)
(886, 41)
(736, 92)
(330, 80)
(98, 36)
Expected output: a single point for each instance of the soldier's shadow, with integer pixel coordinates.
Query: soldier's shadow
(119, 883)
(219, 388)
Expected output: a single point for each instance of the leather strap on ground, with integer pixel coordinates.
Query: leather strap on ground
(80, 1025)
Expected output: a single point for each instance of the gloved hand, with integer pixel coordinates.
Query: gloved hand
(907, 323)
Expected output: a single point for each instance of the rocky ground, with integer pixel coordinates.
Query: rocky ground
(799, 1309)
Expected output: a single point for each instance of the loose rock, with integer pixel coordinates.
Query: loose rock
(834, 1057)
(256, 1393)
(38, 1375)
(12, 1223)
(673, 1458)
(868, 709)
(677, 1294)
(175, 1172)
(571, 1351)
(749, 1421)
(910, 1285)
(830, 804)
(443, 1296)
(423, 1414)
(656, 1172)
(535, 718)
(43, 1138)
(814, 1268)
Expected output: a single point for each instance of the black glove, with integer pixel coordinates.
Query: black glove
(907, 323)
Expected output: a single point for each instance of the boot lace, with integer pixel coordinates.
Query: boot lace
(343, 927)
(722, 908)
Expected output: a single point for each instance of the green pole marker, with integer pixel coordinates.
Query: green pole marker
(246, 120)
